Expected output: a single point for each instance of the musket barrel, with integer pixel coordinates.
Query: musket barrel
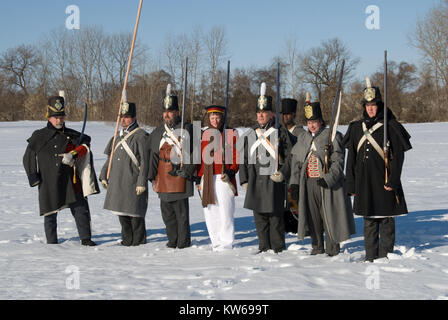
(385, 101)
(385, 138)
(224, 127)
(333, 116)
(184, 98)
(277, 115)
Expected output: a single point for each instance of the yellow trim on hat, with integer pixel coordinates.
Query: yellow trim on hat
(47, 114)
(218, 110)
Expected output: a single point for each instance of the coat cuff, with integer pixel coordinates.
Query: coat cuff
(141, 181)
(34, 179)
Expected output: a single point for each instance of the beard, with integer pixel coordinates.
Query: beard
(171, 122)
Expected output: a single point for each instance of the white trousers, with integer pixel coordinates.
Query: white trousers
(219, 216)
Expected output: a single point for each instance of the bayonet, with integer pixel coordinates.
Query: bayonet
(334, 119)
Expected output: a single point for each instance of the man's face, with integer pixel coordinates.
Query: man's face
(215, 119)
(126, 121)
(263, 117)
(371, 109)
(314, 125)
(169, 117)
(57, 121)
(288, 118)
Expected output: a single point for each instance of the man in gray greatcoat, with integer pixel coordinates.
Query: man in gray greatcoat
(263, 195)
(323, 202)
(171, 180)
(127, 186)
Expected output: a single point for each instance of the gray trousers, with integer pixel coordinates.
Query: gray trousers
(81, 213)
(133, 230)
(316, 222)
(374, 230)
(176, 216)
(270, 230)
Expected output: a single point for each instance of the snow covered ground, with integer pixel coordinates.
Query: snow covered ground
(31, 269)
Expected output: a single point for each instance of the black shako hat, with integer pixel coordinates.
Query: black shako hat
(264, 102)
(170, 102)
(55, 107)
(289, 106)
(128, 109)
(371, 94)
(312, 109)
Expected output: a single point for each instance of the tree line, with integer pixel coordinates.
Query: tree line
(90, 65)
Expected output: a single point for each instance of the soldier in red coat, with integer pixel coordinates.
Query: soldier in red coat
(218, 184)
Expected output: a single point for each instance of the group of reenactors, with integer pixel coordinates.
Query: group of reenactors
(280, 167)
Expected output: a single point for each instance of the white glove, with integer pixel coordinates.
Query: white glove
(245, 186)
(277, 176)
(67, 159)
(104, 183)
(140, 190)
(225, 177)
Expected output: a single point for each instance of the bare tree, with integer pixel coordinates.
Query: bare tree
(431, 38)
(195, 56)
(320, 66)
(19, 65)
(216, 49)
(291, 69)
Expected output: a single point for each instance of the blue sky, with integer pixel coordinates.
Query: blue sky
(256, 29)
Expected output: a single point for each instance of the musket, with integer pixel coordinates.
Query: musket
(385, 142)
(277, 123)
(123, 93)
(83, 125)
(184, 98)
(333, 120)
(277, 115)
(224, 127)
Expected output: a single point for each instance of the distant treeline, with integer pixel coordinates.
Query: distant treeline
(90, 65)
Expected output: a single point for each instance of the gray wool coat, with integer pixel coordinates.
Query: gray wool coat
(298, 129)
(336, 205)
(125, 176)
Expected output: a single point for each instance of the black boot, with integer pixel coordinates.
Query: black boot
(88, 242)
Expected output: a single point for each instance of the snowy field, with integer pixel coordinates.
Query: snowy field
(31, 269)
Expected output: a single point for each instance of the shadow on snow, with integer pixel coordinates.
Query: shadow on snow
(420, 229)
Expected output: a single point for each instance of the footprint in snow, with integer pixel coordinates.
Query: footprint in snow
(398, 270)
(222, 284)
